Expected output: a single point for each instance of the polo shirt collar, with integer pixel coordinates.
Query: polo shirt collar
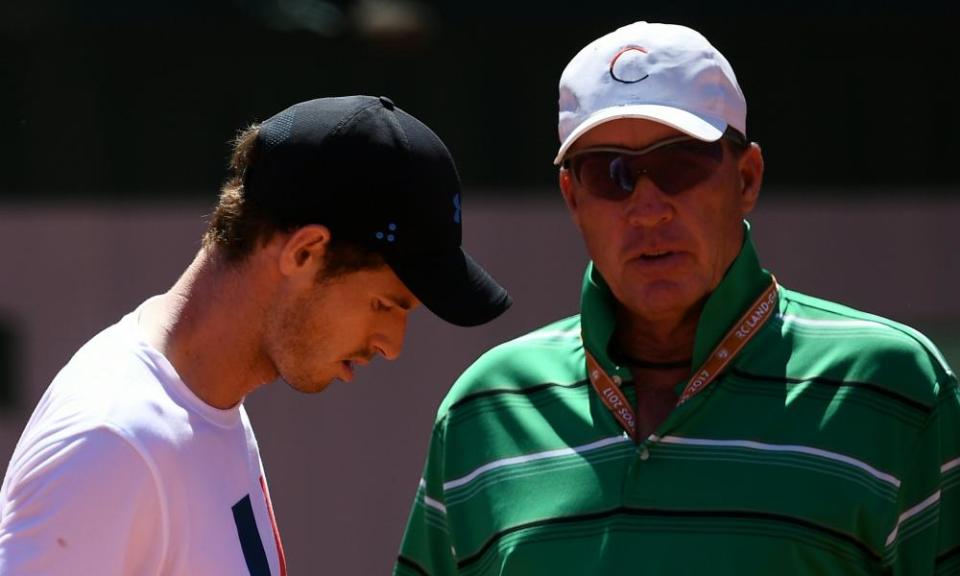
(743, 282)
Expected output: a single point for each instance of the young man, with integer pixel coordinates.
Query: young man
(341, 215)
(695, 417)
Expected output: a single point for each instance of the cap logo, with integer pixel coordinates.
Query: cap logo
(456, 206)
(628, 65)
(389, 237)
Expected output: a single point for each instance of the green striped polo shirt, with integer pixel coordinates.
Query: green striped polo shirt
(830, 445)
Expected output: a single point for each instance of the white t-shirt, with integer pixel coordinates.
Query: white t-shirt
(123, 470)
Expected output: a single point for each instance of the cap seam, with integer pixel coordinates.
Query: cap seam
(349, 119)
(343, 123)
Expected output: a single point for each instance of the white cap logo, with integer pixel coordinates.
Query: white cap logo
(629, 65)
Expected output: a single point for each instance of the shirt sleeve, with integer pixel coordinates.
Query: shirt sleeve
(85, 504)
(926, 536)
(427, 547)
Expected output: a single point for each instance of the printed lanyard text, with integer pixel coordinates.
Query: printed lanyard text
(746, 328)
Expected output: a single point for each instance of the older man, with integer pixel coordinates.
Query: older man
(340, 216)
(695, 417)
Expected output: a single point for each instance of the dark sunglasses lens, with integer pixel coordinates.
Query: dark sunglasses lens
(605, 174)
(682, 166)
(672, 169)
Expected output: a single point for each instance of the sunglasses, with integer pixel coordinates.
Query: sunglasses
(673, 165)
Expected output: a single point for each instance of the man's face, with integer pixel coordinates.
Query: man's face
(323, 331)
(662, 253)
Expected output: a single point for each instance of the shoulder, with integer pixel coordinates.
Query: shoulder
(552, 354)
(857, 345)
(113, 386)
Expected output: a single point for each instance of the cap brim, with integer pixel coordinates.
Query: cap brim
(701, 128)
(453, 286)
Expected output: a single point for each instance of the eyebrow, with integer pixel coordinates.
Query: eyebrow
(399, 301)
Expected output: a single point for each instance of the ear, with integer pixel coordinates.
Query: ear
(567, 190)
(751, 177)
(304, 250)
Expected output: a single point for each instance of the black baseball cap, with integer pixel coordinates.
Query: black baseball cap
(378, 177)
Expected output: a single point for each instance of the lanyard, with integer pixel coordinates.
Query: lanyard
(749, 324)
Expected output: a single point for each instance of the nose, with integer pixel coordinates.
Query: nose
(648, 205)
(388, 339)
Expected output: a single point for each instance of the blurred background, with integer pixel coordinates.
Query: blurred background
(116, 116)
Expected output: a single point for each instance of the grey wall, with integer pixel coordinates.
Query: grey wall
(344, 465)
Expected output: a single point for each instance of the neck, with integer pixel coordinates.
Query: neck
(657, 341)
(207, 327)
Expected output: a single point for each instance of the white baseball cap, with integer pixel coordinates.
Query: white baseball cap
(661, 72)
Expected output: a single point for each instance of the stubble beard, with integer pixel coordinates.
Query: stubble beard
(291, 351)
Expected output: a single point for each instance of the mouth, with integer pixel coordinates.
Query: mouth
(659, 259)
(656, 255)
(348, 368)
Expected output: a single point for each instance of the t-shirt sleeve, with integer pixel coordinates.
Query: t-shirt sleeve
(85, 504)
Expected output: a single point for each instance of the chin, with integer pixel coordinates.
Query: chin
(312, 386)
(662, 297)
